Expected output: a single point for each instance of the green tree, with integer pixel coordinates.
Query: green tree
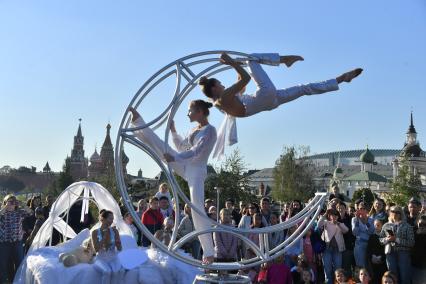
(12, 184)
(364, 194)
(65, 179)
(293, 175)
(404, 186)
(230, 179)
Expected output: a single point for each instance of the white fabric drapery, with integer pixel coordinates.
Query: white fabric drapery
(68, 197)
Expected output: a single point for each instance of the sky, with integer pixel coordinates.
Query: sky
(65, 60)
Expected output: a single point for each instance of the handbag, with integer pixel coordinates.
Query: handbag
(263, 276)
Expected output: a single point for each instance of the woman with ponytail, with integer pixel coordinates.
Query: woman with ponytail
(189, 161)
(267, 97)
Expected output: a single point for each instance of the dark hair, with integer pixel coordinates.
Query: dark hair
(331, 212)
(32, 205)
(265, 199)
(230, 200)
(153, 199)
(206, 85)
(163, 198)
(202, 105)
(104, 214)
(342, 204)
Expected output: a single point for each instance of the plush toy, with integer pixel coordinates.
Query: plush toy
(82, 254)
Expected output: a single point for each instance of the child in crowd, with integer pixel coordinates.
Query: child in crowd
(163, 190)
(225, 244)
(340, 277)
(306, 277)
(290, 257)
(364, 276)
(277, 272)
(129, 221)
(296, 271)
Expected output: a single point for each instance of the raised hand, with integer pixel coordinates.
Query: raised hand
(135, 114)
(226, 59)
(172, 126)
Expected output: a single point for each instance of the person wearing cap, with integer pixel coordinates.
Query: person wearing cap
(414, 207)
(398, 238)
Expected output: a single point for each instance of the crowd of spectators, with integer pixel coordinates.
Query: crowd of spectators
(381, 243)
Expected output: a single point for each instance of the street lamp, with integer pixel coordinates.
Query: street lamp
(218, 189)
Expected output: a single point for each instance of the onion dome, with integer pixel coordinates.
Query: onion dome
(95, 157)
(367, 157)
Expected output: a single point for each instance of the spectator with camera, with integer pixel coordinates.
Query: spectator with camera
(12, 213)
(398, 237)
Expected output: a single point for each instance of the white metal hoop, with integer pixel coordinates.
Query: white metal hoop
(181, 68)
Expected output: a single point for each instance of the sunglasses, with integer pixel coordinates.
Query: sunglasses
(396, 212)
(252, 207)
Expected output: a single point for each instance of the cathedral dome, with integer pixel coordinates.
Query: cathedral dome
(367, 157)
(338, 170)
(412, 151)
(95, 157)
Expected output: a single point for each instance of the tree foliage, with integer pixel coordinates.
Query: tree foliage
(12, 184)
(230, 179)
(293, 175)
(404, 186)
(65, 179)
(365, 195)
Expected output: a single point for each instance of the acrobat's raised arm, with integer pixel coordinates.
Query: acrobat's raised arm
(243, 76)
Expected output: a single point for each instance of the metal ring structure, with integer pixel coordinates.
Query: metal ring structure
(183, 70)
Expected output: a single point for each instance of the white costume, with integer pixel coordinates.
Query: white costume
(107, 262)
(266, 98)
(191, 164)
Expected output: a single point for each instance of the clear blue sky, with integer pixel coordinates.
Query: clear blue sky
(64, 60)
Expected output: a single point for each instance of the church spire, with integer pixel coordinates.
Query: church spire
(79, 128)
(107, 153)
(411, 128)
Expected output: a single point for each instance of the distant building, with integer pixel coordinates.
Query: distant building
(77, 162)
(412, 152)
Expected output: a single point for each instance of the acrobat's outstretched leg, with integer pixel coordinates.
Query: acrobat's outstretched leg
(292, 93)
(289, 60)
(348, 76)
(156, 144)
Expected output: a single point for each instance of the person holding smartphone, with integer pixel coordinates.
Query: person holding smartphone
(362, 229)
(12, 213)
(398, 237)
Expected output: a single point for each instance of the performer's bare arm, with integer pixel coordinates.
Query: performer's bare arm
(243, 76)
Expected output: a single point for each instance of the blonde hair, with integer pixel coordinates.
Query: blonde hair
(225, 211)
(7, 197)
(390, 275)
(401, 213)
(163, 184)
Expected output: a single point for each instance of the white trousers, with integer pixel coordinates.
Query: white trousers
(109, 266)
(267, 97)
(195, 176)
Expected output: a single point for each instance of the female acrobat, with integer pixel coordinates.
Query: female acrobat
(189, 161)
(267, 97)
